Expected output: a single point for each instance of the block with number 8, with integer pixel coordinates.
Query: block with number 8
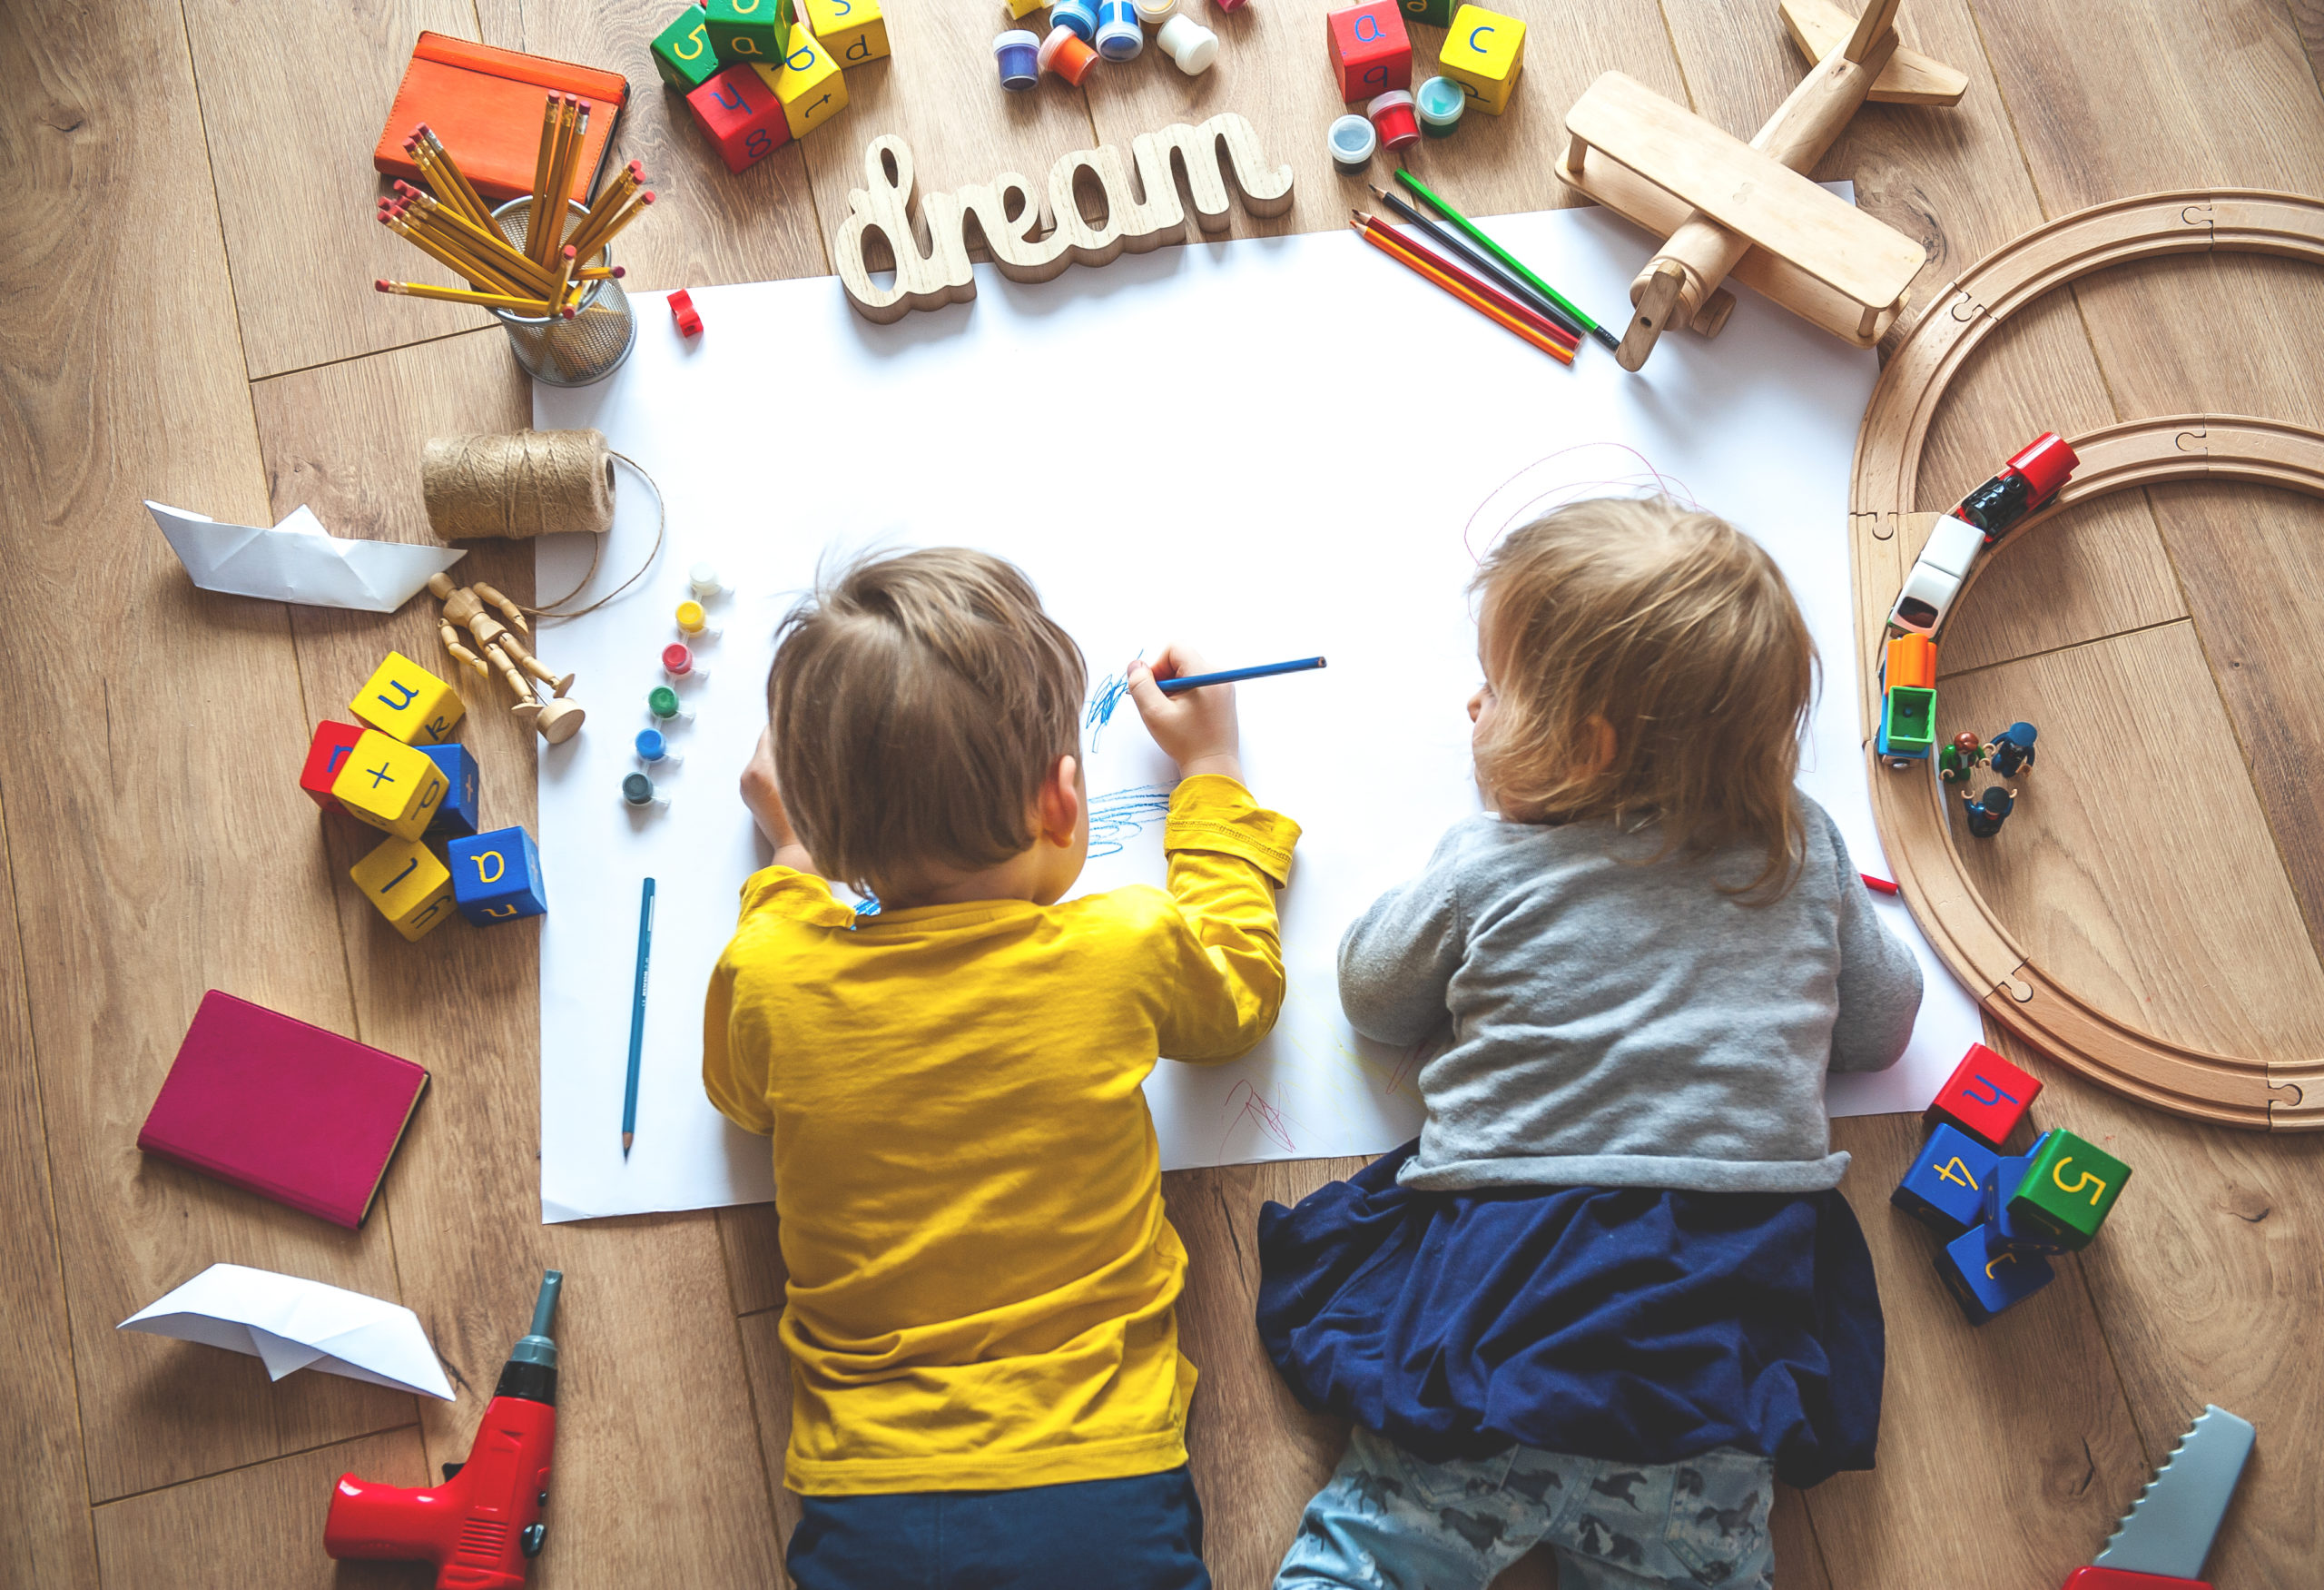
(740, 115)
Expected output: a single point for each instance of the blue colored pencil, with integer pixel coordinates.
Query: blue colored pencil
(638, 1016)
(1229, 675)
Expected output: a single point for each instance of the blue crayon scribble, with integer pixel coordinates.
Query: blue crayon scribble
(1117, 818)
(1103, 703)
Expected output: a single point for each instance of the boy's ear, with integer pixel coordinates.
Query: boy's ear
(1059, 801)
(1599, 734)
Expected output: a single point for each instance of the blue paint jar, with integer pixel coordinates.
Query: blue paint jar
(1353, 141)
(1081, 15)
(1119, 38)
(650, 745)
(1019, 54)
(1440, 103)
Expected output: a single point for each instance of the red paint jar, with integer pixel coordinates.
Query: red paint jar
(1393, 116)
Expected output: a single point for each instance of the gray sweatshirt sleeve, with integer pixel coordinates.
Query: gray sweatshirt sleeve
(1880, 979)
(1397, 960)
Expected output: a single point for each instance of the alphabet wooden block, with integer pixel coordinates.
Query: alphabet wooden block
(456, 813)
(2070, 1186)
(1985, 1097)
(1946, 1184)
(1985, 1279)
(2004, 1228)
(1435, 13)
(1483, 52)
(808, 84)
(326, 754)
(1370, 51)
(497, 876)
(739, 114)
(744, 31)
(682, 52)
(406, 700)
(392, 786)
(853, 31)
(407, 884)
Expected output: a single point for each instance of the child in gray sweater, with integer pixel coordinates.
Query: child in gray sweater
(1613, 1293)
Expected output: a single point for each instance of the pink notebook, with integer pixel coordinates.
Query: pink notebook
(283, 1109)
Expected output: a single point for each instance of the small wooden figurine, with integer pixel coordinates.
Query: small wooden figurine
(557, 719)
(1963, 755)
(1986, 813)
(2013, 749)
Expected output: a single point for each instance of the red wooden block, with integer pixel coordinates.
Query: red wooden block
(1985, 1097)
(1370, 51)
(739, 114)
(329, 747)
(2120, 1579)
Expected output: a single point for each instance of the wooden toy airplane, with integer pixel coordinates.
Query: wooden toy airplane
(1745, 209)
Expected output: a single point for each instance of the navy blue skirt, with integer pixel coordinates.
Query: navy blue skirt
(1634, 1324)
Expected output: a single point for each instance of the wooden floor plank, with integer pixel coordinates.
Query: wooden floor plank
(769, 1370)
(1273, 67)
(300, 234)
(151, 860)
(41, 1470)
(708, 224)
(752, 1236)
(260, 1527)
(657, 1466)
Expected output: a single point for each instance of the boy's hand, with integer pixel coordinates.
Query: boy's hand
(764, 799)
(1196, 729)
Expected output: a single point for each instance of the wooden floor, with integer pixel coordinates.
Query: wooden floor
(186, 256)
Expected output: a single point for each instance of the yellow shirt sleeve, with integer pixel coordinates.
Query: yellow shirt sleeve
(1228, 856)
(737, 1081)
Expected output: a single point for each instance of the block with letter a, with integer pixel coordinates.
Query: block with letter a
(497, 876)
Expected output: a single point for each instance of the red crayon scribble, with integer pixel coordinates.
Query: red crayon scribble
(1271, 1121)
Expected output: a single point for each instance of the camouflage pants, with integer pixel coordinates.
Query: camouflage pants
(1389, 1521)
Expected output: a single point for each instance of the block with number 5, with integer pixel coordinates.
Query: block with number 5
(1946, 1184)
(740, 115)
(2069, 1188)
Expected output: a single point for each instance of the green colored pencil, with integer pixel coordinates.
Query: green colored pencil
(1420, 191)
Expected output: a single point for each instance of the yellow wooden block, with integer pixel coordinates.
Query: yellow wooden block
(408, 885)
(809, 83)
(390, 785)
(1483, 52)
(406, 701)
(1020, 7)
(853, 31)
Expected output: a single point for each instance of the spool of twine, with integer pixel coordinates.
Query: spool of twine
(532, 483)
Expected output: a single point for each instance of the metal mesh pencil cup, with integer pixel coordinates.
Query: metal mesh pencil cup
(585, 348)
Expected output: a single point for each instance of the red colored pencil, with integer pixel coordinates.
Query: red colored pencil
(1883, 884)
(1395, 250)
(1474, 283)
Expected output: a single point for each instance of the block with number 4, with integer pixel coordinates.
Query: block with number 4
(2069, 1188)
(682, 52)
(1370, 51)
(403, 699)
(407, 884)
(393, 787)
(853, 31)
(1945, 1186)
(1985, 1279)
(1985, 1097)
(809, 85)
(747, 30)
(740, 115)
(1483, 53)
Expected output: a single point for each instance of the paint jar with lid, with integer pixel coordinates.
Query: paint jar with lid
(1393, 119)
(1192, 45)
(1155, 12)
(1081, 15)
(1353, 141)
(1019, 55)
(1119, 37)
(1064, 53)
(1439, 104)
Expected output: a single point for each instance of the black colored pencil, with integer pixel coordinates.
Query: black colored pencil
(1493, 268)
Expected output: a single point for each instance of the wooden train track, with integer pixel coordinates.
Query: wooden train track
(1887, 535)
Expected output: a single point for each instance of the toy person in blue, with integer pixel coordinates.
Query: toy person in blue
(2013, 748)
(1986, 813)
(1613, 1293)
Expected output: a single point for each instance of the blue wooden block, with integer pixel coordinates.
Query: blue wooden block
(1945, 1186)
(497, 876)
(456, 817)
(2014, 1231)
(1985, 1279)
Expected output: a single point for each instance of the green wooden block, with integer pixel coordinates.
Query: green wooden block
(682, 52)
(752, 31)
(1435, 13)
(2069, 1187)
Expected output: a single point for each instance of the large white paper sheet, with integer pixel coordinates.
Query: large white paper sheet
(1269, 448)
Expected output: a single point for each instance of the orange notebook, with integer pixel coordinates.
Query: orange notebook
(486, 103)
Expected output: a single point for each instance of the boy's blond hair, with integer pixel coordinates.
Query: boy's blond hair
(918, 699)
(1679, 630)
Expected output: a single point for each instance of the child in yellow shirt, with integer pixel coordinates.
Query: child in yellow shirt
(986, 1382)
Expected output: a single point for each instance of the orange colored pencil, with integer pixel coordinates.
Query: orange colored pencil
(1508, 323)
(1472, 281)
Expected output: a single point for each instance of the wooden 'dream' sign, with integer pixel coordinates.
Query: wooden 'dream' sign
(1885, 535)
(1034, 233)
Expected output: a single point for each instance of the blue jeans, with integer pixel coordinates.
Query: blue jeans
(1390, 1521)
(1143, 1532)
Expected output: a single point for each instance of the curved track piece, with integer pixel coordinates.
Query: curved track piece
(1886, 534)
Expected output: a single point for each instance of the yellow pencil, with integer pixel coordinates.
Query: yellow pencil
(475, 205)
(528, 306)
(613, 228)
(549, 120)
(487, 245)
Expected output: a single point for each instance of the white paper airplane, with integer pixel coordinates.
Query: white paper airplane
(299, 561)
(289, 1324)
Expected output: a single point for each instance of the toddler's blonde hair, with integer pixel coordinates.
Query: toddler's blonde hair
(1679, 630)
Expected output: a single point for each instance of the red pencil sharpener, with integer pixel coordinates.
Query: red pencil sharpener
(682, 310)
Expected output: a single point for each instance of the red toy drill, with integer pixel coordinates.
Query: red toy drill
(481, 1527)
